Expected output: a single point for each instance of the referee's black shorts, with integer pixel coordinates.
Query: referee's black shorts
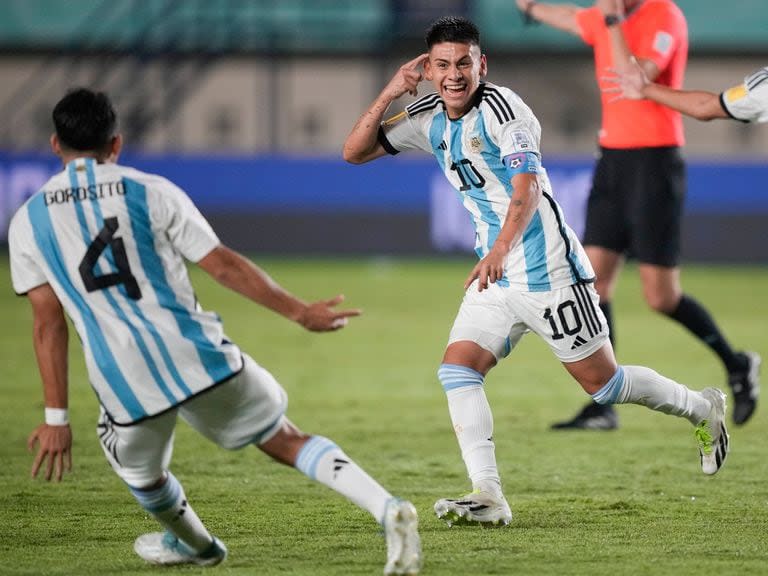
(636, 204)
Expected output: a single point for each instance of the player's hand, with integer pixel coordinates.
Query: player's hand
(626, 83)
(321, 317)
(55, 445)
(407, 78)
(488, 270)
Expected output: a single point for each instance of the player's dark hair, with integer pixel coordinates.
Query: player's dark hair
(85, 120)
(452, 29)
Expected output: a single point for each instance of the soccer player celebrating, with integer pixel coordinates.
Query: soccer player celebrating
(106, 243)
(532, 274)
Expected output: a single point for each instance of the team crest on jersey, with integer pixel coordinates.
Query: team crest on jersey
(475, 144)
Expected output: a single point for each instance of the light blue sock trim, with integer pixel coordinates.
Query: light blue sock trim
(611, 390)
(453, 376)
(310, 454)
(160, 499)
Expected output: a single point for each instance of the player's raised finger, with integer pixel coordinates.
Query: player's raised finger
(416, 62)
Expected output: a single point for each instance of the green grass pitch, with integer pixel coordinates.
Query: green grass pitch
(629, 502)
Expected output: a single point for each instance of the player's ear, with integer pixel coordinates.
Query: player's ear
(116, 146)
(427, 70)
(483, 65)
(55, 145)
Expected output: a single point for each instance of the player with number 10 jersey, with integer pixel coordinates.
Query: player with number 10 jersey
(479, 153)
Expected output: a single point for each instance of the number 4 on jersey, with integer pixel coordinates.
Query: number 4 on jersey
(106, 237)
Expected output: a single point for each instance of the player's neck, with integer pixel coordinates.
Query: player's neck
(69, 156)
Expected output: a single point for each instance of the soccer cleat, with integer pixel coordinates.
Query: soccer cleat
(403, 543)
(166, 549)
(711, 433)
(593, 416)
(745, 385)
(477, 507)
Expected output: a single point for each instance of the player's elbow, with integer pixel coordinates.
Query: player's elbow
(352, 155)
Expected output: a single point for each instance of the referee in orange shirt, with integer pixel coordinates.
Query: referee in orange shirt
(636, 203)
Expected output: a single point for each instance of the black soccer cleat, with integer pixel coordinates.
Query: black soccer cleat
(593, 416)
(745, 385)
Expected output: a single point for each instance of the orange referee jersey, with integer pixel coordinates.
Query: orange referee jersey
(657, 31)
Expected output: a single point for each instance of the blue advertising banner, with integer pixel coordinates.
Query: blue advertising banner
(398, 186)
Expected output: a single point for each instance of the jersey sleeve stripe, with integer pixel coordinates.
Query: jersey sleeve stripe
(754, 80)
(423, 104)
(495, 110)
(491, 93)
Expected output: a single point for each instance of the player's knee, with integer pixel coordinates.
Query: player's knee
(661, 302)
(142, 478)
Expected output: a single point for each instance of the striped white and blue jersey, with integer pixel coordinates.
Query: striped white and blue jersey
(748, 101)
(471, 152)
(111, 241)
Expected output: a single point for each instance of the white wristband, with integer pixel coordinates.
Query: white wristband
(56, 416)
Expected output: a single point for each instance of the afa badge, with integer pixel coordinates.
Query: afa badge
(475, 144)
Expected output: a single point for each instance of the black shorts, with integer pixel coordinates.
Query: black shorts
(635, 206)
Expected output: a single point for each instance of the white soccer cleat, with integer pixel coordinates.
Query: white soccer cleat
(166, 549)
(403, 542)
(477, 507)
(711, 433)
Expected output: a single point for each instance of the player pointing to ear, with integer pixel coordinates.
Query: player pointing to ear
(405, 81)
(533, 274)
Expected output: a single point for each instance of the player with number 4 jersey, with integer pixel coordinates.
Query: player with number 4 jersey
(107, 244)
(532, 275)
(148, 345)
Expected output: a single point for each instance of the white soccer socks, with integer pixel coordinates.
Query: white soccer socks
(473, 424)
(640, 385)
(322, 460)
(168, 505)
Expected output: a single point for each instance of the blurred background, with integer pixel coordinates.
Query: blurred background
(246, 103)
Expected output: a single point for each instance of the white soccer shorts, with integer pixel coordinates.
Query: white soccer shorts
(245, 409)
(568, 319)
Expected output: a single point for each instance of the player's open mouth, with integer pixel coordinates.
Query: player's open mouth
(455, 90)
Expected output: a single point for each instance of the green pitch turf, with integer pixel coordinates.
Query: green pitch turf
(629, 502)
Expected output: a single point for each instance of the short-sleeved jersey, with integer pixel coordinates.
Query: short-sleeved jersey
(111, 241)
(470, 151)
(748, 101)
(657, 31)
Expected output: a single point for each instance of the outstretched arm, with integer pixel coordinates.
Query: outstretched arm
(234, 271)
(560, 16)
(698, 104)
(633, 84)
(51, 339)
(362, 144)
